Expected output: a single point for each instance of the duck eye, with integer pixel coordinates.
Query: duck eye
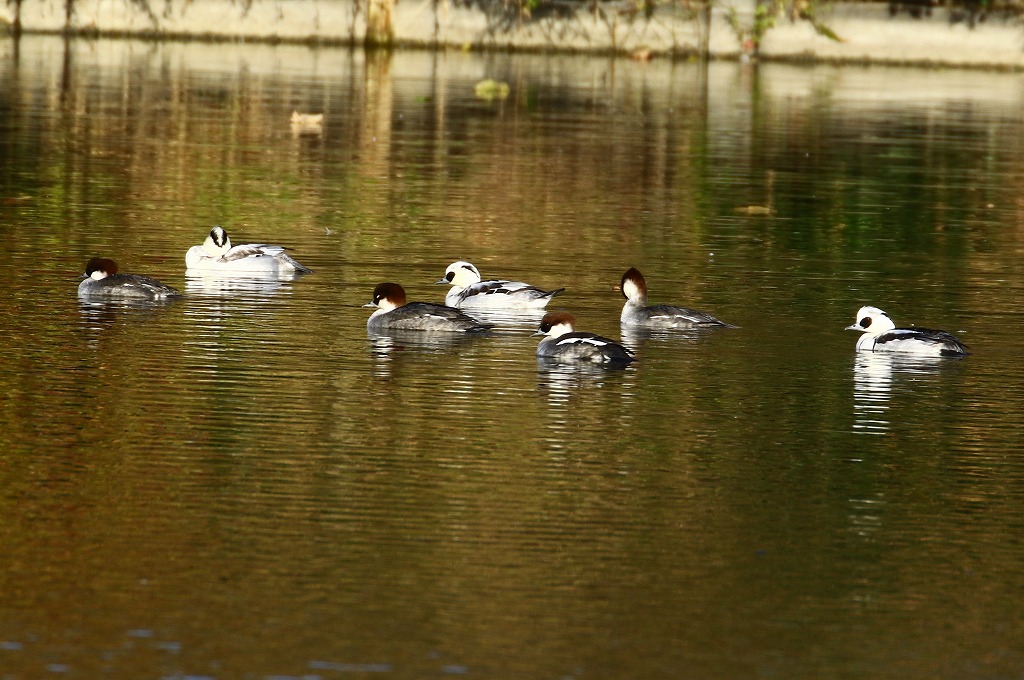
(449, 276)
(865, 322)
(545, 327)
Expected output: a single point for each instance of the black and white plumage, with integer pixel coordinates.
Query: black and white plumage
(879, 334)
(394, 313)
(564, 343)
(102, 280)
(637, 313)
(217, 255)
(468, 290)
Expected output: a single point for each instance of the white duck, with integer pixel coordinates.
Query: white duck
(879, 334)
(470, 292)
(217, 255)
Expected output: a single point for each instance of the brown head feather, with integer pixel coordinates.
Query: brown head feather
(391, 291)
(638, 278)
(101, 264)
(552, 319)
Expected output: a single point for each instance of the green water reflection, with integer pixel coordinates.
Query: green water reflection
(243, 484)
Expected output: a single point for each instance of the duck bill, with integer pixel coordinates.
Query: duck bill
(440, 281)
(855, 327)
(370, 304)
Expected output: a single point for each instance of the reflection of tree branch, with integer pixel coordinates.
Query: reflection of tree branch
(970, 12)
(148, 11)
(16, 24)
(356, 9)
(69, 13)
(625, 20)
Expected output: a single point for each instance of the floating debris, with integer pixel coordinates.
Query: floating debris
(489, 90)
(755, 210)
(307, 123)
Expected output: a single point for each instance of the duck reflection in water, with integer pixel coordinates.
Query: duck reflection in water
(216, 285)
(510, 319)
(390, 350)
(217, 304)
(875, 374)
(384, 343)
(562, 379)
(872, 389)
(584, 395)
(635, 338)
(102, 314)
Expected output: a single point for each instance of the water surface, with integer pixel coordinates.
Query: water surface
(242, 483)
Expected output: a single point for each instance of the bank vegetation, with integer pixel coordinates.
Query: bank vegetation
(963, 32)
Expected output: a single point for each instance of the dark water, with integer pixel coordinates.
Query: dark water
(242, 484)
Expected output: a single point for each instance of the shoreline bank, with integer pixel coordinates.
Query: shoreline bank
(868, 33)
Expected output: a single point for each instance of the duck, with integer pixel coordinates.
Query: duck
(102, 280)
(637, 313)
(217, 255)
(468, 290)
(395, 313)
(564, 344)
(879, 334)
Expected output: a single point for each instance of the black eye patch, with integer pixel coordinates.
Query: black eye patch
(545, 327)
(449, 276)
(865, 322)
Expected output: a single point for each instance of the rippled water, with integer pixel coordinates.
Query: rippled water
(242, 483)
